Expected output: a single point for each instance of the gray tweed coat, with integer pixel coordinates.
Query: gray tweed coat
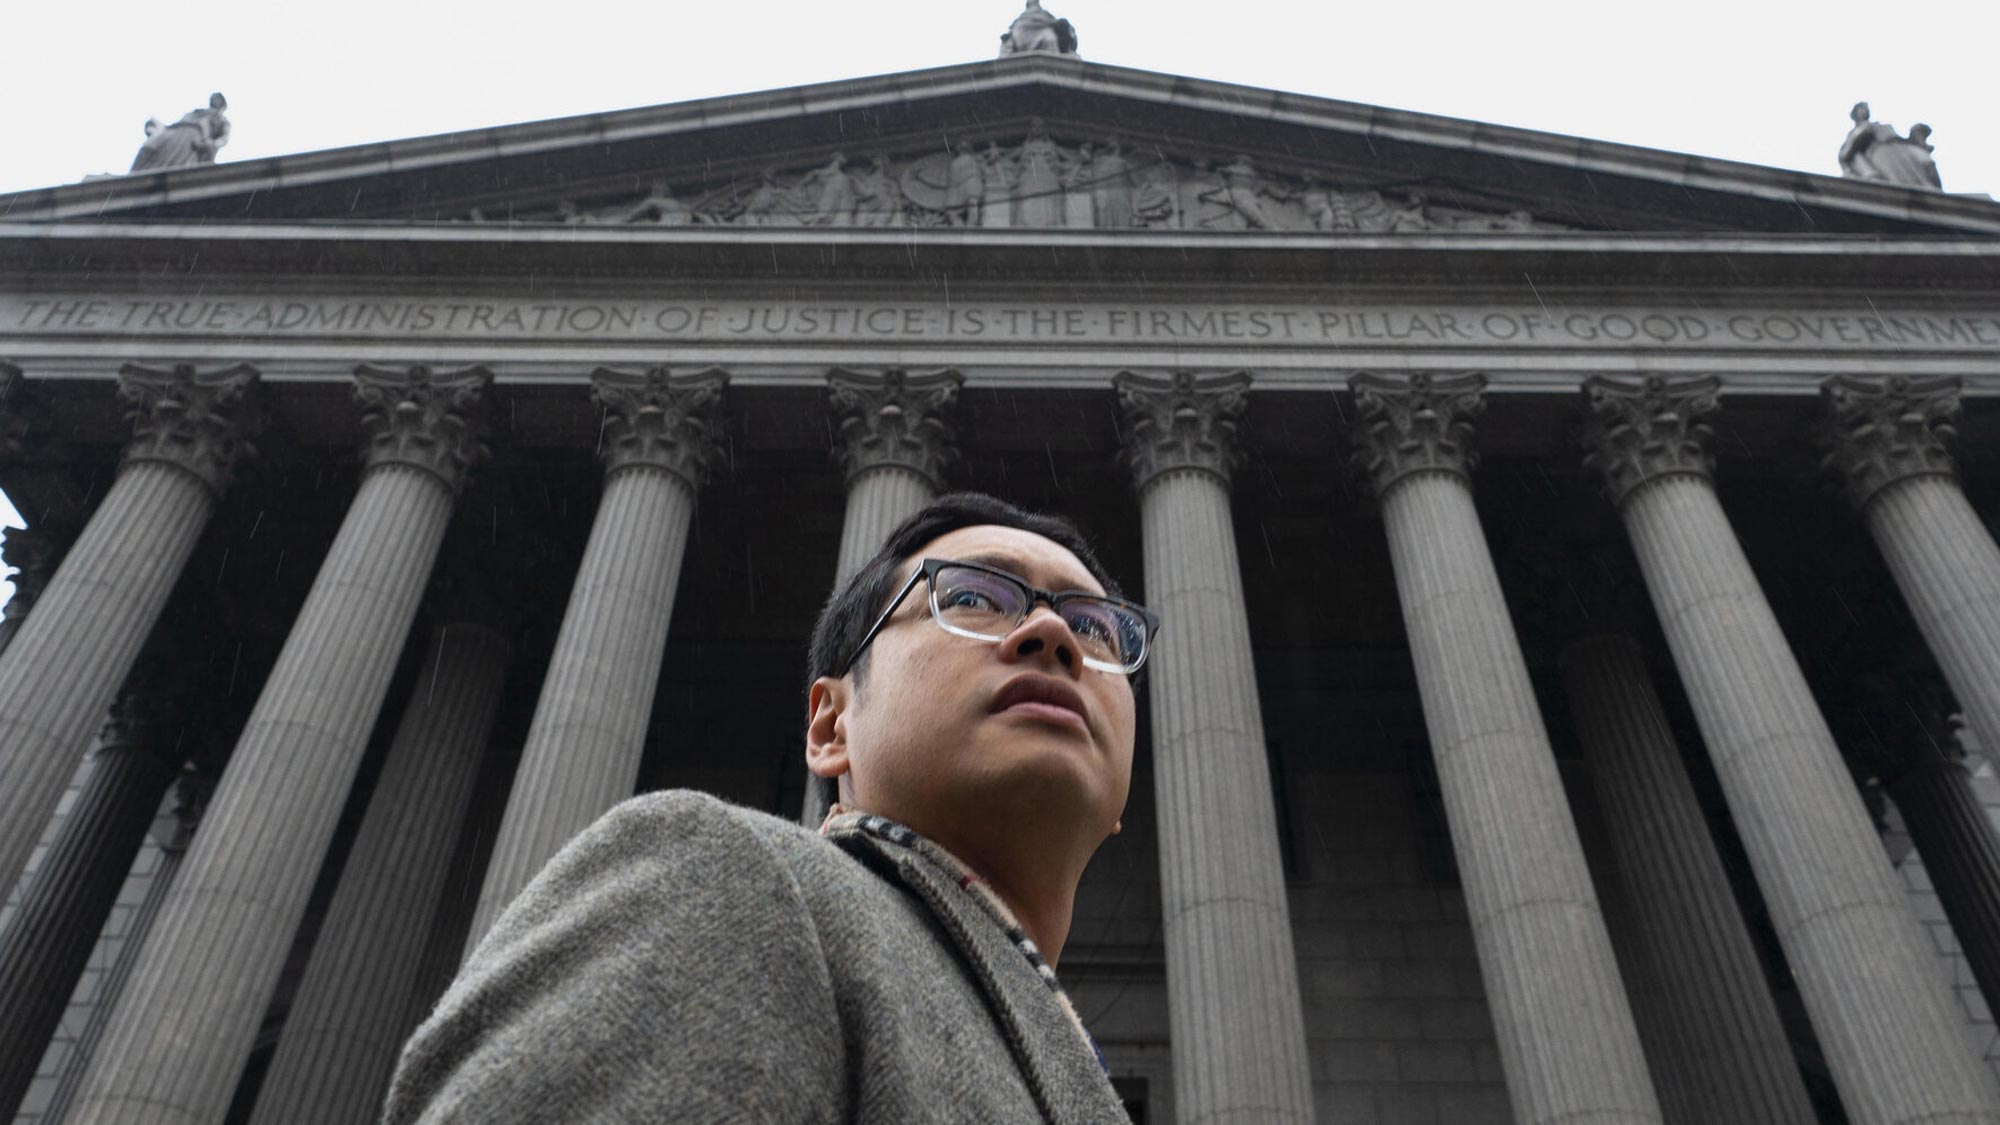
(685, 959)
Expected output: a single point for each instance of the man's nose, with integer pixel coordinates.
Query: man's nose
(1042, 634)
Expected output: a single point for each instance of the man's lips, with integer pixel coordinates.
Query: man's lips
(1042, 697)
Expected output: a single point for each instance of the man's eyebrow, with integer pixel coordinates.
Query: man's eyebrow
(1012, 565)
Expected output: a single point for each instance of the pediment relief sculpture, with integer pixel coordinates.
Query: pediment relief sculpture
(1037, 182)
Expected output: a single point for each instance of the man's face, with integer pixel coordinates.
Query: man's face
(947, 727)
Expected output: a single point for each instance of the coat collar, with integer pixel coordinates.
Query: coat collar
(1061, 1064)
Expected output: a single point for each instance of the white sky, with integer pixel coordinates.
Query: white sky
(1764, 82)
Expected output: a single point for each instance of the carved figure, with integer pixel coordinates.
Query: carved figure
(1036, 30)
(1414, 215)
(1157, 203)
(1328, 209)
(998, 210)
(1078, 206)
(1873, 151)
(1242, 192)
(878, 198)
(659, 203)
(833, 201)
(766, 206)
(194, 139)
(1110, 177)
(1038, 193)
(965, 185)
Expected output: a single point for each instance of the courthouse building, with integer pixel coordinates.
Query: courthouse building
(1581, 604)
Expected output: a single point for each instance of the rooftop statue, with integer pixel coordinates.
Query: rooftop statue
(1873, 151)
(1036, 30)
(193, 139)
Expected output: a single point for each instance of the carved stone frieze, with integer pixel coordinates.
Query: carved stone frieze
(1184, 421)
(894, 419)
(1880, 431)
(198, 421)
(425, 419)
(662, 420)
(1636, 432)
(18, 419)
(1033, 180)
(1422, 423)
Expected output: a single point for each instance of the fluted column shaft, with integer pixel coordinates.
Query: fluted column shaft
(340, 1039)
(194, 789)
(877, 500)
(61, 671)
(1567, 1040)
(44, 949)
(1236, 1023)
(584, 746)
(178, 1039)
(1948, 568)
(1954, 835)
(1237, 1027)
(1869, 978)
(1718, 1050)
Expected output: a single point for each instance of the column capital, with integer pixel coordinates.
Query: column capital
(1881, 431)
(653, 418)
(895, 419)
(1183, 421)
(422, 418)
(1415, 424)
(1638, 432)
(197, 421)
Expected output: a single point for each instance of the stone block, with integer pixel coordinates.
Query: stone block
(1432, 1063)
(1353, 1060)
(1455, 1019)
(1361, 1019)
(1338, 980)
(1420, 979)
(1349, 1105)
(1407, 1105)
(1474, 1105)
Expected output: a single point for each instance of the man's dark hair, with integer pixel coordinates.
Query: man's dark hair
(858, 601)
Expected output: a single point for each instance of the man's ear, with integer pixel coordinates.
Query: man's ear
(826, 726)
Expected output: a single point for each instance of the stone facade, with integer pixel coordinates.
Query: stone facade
(1550, 557)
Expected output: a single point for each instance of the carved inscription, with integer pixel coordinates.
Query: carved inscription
(725, 321)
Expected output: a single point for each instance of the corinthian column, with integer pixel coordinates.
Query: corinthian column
(1566, 1037)
(1888, 446)
(894, 442)
(339, 1042)
(60, 672)
(1717, 1046)
(44, 949)
(583, 748)
(178, 1039)
(1233, 1004)
(1868, 976)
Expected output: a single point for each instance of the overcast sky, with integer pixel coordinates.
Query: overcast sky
(1747, 80)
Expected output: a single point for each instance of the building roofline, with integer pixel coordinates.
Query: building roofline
(103, 197)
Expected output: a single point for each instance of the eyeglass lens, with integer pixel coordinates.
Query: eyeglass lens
(979, 601)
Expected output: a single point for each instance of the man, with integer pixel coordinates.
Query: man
(971, 707)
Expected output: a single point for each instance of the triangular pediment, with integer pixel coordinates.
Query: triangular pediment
(1025, 143)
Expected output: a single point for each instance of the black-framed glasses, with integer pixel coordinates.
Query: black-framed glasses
(985, 604)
